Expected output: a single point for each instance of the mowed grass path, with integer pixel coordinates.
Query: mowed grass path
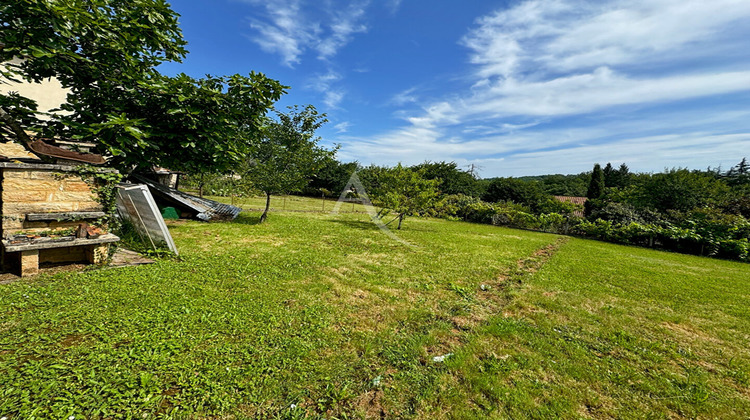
(324, 316)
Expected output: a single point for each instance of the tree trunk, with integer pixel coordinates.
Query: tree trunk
(264, 216)
(200, 187)
(400, 220)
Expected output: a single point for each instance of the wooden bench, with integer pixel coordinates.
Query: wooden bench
(28, 252)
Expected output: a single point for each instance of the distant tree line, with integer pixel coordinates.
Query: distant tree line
(703, 212)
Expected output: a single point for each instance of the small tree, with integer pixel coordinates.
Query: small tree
(404, 191)
(287, 154)
(739, 174)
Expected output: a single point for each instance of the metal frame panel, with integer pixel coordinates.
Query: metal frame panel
(136, 204)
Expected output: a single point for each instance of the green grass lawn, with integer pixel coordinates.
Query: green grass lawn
(290, 203)
(311, 316)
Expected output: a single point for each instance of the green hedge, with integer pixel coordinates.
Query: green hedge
(703, 231)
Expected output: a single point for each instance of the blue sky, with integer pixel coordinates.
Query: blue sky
(515, 87)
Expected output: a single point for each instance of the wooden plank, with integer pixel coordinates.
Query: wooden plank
(104, 239)
(64, 216)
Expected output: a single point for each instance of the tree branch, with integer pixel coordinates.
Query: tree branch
(16, 128)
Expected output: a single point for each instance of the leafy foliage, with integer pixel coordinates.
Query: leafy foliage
(679, 189)
(404, 191)
(197, 126)
(92, 47)
(105, 52)
(331, 178)
(596, 185)
(452, 180)
(517, 191)
(287, 154)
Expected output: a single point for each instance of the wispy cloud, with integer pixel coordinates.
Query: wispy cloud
(342, 127)
(325, 84)
(343, 25)
(292, 28)
(549, 37)
(567, 150)
(284, 30)
(393, 5)
(641, 154)
(404, 97)
(545, 60)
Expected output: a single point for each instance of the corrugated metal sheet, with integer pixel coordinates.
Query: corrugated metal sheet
(204, 209)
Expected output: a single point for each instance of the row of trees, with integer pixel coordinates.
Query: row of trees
(703, 212)
(674, 190)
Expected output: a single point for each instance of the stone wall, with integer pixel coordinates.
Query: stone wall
(37, 190)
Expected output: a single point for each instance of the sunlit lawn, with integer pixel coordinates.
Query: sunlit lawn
(321, 315)
(291, 203)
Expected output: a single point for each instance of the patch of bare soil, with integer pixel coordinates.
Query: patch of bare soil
(689, 332)
(494, 294)
(7, 278)
(73, 340)
(533, 263)
(370, 404)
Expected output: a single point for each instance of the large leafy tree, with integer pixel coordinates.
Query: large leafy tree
(681, 190)
(332, 177)
(105, 52)
(287, 154)
(198, 126)
(91, 47)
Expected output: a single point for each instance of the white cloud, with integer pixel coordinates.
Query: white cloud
(566, 35)
(333, 98)
(344, 24)
(642, 154)
(324, 83)
(291, 28)
(564, 57)
(545, 60)
(602, 88)
(393, 5)
(284, 31)
(405, 97)
(342, 127)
